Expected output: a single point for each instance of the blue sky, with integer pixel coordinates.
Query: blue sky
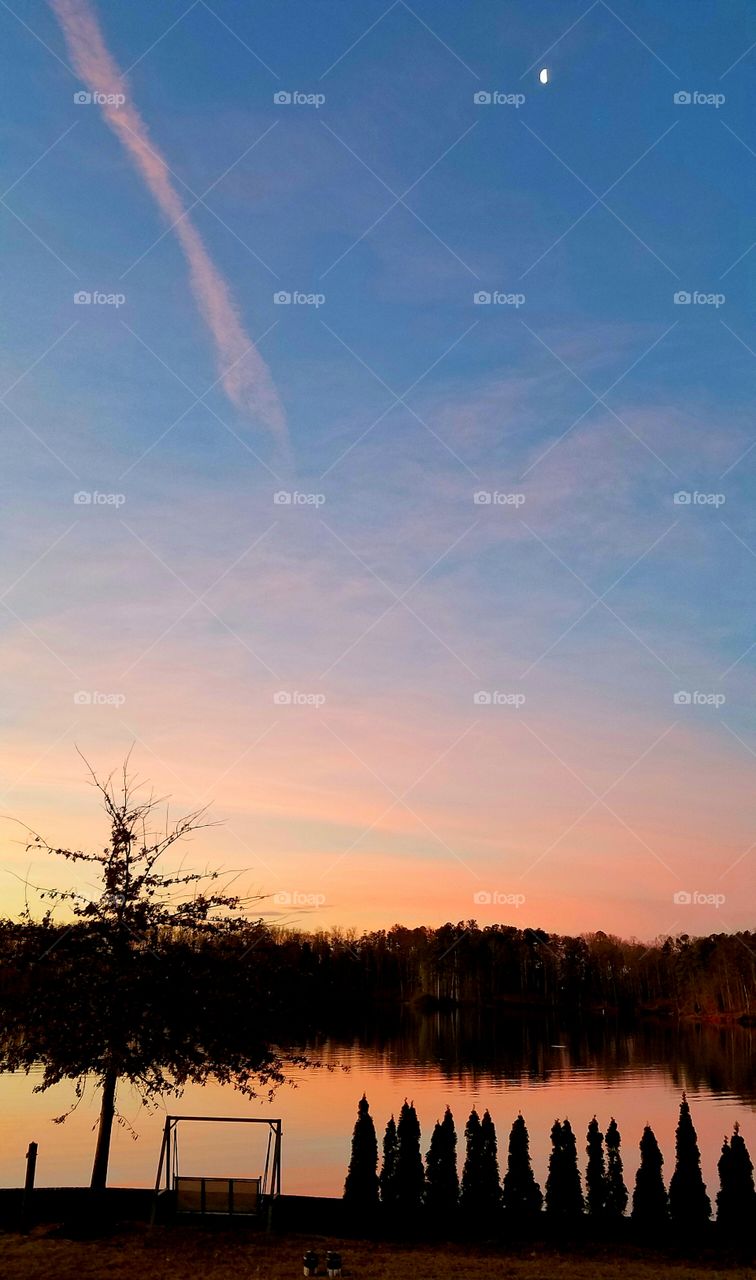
(597, 398)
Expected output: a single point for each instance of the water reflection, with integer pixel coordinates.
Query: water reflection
(471, 1045)
(543, 1067)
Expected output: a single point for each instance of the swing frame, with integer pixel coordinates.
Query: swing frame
(269, 1183)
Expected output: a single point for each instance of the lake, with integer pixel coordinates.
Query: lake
(508, 1065)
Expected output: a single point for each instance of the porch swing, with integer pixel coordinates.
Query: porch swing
(247, 1197)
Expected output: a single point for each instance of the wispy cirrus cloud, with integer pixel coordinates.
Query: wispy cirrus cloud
(244, 375)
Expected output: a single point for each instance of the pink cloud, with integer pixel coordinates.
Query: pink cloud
(243, 373)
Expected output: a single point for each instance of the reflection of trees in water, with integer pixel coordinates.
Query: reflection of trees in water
(718, 1058)
(473, 1045)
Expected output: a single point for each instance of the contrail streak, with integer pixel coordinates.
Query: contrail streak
(244, 374)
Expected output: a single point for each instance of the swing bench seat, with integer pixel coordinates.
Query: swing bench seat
(230, 1196)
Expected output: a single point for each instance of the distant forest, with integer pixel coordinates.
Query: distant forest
(710, 977)
(283, 969)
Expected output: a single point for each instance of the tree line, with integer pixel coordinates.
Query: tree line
(713, 976)
(408, 1192)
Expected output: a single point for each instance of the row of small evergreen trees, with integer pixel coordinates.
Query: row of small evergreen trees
(407, 1192)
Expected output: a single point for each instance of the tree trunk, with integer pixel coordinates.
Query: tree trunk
(104, 1131)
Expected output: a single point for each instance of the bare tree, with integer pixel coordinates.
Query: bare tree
(129, 990)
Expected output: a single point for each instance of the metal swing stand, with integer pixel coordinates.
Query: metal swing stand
(224, 1197)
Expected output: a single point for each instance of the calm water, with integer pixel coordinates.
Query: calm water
(544, 1071)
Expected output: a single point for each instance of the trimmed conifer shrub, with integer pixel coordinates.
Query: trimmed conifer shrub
(736, 1198)
(410, 1174)
(387, 1180)
(616, 1191)
(521, 1196)
(689, 1205)
(595, 1173)
(470, 1188)
(441, 1178)
(650, 1212)
(564, 1194)
(490, 1181)
(480, 1200)
(361, 1186)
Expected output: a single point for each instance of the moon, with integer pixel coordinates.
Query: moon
(543, 75)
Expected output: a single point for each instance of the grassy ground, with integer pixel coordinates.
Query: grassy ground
(186, 1253)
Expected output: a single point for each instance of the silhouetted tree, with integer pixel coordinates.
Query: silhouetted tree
(387, 1180)
(361, 1186)
(554, 1176)
(490, 1182)
(472, 1173)
(564, 1195)
(441, 1178)
(471, 1167)
(736, 1198)
(410, 1175)
(595, 1174)
(522, 1198)
(689, 1205)
(616, 1191)
(481, 1191)
(650, 1202)
(129, 991)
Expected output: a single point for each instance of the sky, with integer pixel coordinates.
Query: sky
(379, 454)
